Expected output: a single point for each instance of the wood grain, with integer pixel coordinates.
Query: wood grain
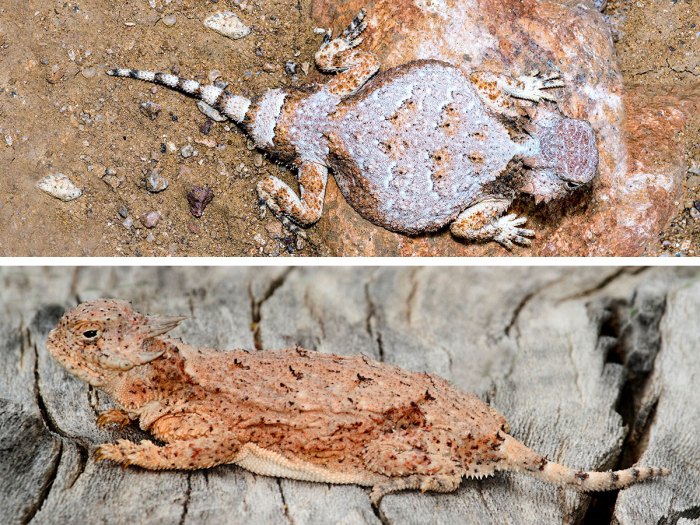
(574, 357)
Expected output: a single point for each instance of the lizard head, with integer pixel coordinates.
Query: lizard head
(565, 158)
(98, 339)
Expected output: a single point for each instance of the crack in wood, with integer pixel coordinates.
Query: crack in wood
(285, 507)
(622, 324)
(411, 299)
(52, 473)
(186, 503)
(50, 424)
(691, 513)
(371, 320)
(603, 283)
(256, 305)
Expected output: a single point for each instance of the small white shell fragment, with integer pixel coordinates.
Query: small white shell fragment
(210, 111)
(228, 24)
(59, 186)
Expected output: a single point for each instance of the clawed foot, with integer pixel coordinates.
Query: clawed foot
(113, 417)
(509, 231)
(351, 35)
(531, 87)
(123, 452)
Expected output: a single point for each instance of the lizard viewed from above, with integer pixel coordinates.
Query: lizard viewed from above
(418, 147)
(293, 413)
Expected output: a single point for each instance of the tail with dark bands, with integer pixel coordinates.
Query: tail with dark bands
(521, 458)
(233, 106)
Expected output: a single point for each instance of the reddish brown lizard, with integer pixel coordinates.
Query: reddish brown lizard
(294, 413)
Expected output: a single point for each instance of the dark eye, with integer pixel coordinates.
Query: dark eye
(90, 334)
(572, 185)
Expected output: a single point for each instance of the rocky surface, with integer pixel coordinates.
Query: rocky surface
(640, 172)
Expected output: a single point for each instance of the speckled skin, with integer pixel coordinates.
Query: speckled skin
(417, 148)
(293, 413)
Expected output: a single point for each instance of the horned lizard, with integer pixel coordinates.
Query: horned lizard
(293, 413)
(420, 146)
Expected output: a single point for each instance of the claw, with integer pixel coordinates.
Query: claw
(509, 232)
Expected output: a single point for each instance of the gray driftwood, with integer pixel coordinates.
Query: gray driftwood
(596, 367)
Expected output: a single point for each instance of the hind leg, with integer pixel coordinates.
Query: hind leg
(436, 483)
(403, 456)
(284, 203)
(482, 223)
(354, 67)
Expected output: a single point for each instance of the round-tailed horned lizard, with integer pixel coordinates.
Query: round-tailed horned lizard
(293, 413)
(418, 147)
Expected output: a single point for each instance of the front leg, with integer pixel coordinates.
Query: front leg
(202, 452)
(354, 67)
(283, 202)
(498, 91)
(114, 416)
(482, 222)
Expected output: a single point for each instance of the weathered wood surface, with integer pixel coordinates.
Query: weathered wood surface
(570, 356)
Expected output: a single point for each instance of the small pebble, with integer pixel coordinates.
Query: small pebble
(198, 198)
(259, 239)
(268, 67)
(693, 182)
(205, 128)
(694, 213)
(155, 182)
(123, 211)
(213, 75)
(258, 160)
(128, 223)
(187, 151)
(210, 111)
(150, 109)
(150, 237)
(8, 140)
(694, 168)
(274, 229)
(59, 186)
(89, 72)
(290, 67)
(227, 24)
(150, 219)
(169, 20)
(305, 67)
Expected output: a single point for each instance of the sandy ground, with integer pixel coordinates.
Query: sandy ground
(59, 113)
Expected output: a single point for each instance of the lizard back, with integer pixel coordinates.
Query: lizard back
(412, 149)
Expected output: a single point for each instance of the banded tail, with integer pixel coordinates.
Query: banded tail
(520, 458)
(232, 106)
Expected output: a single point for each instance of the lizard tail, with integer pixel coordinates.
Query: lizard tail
(232, 106)
(520, 458)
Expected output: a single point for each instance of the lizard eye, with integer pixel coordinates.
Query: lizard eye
(572, 185)
(88, 332)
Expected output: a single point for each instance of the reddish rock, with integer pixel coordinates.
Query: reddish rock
(641, 166)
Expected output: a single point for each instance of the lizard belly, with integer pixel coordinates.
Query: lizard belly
(269, 463)
(413, 150)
